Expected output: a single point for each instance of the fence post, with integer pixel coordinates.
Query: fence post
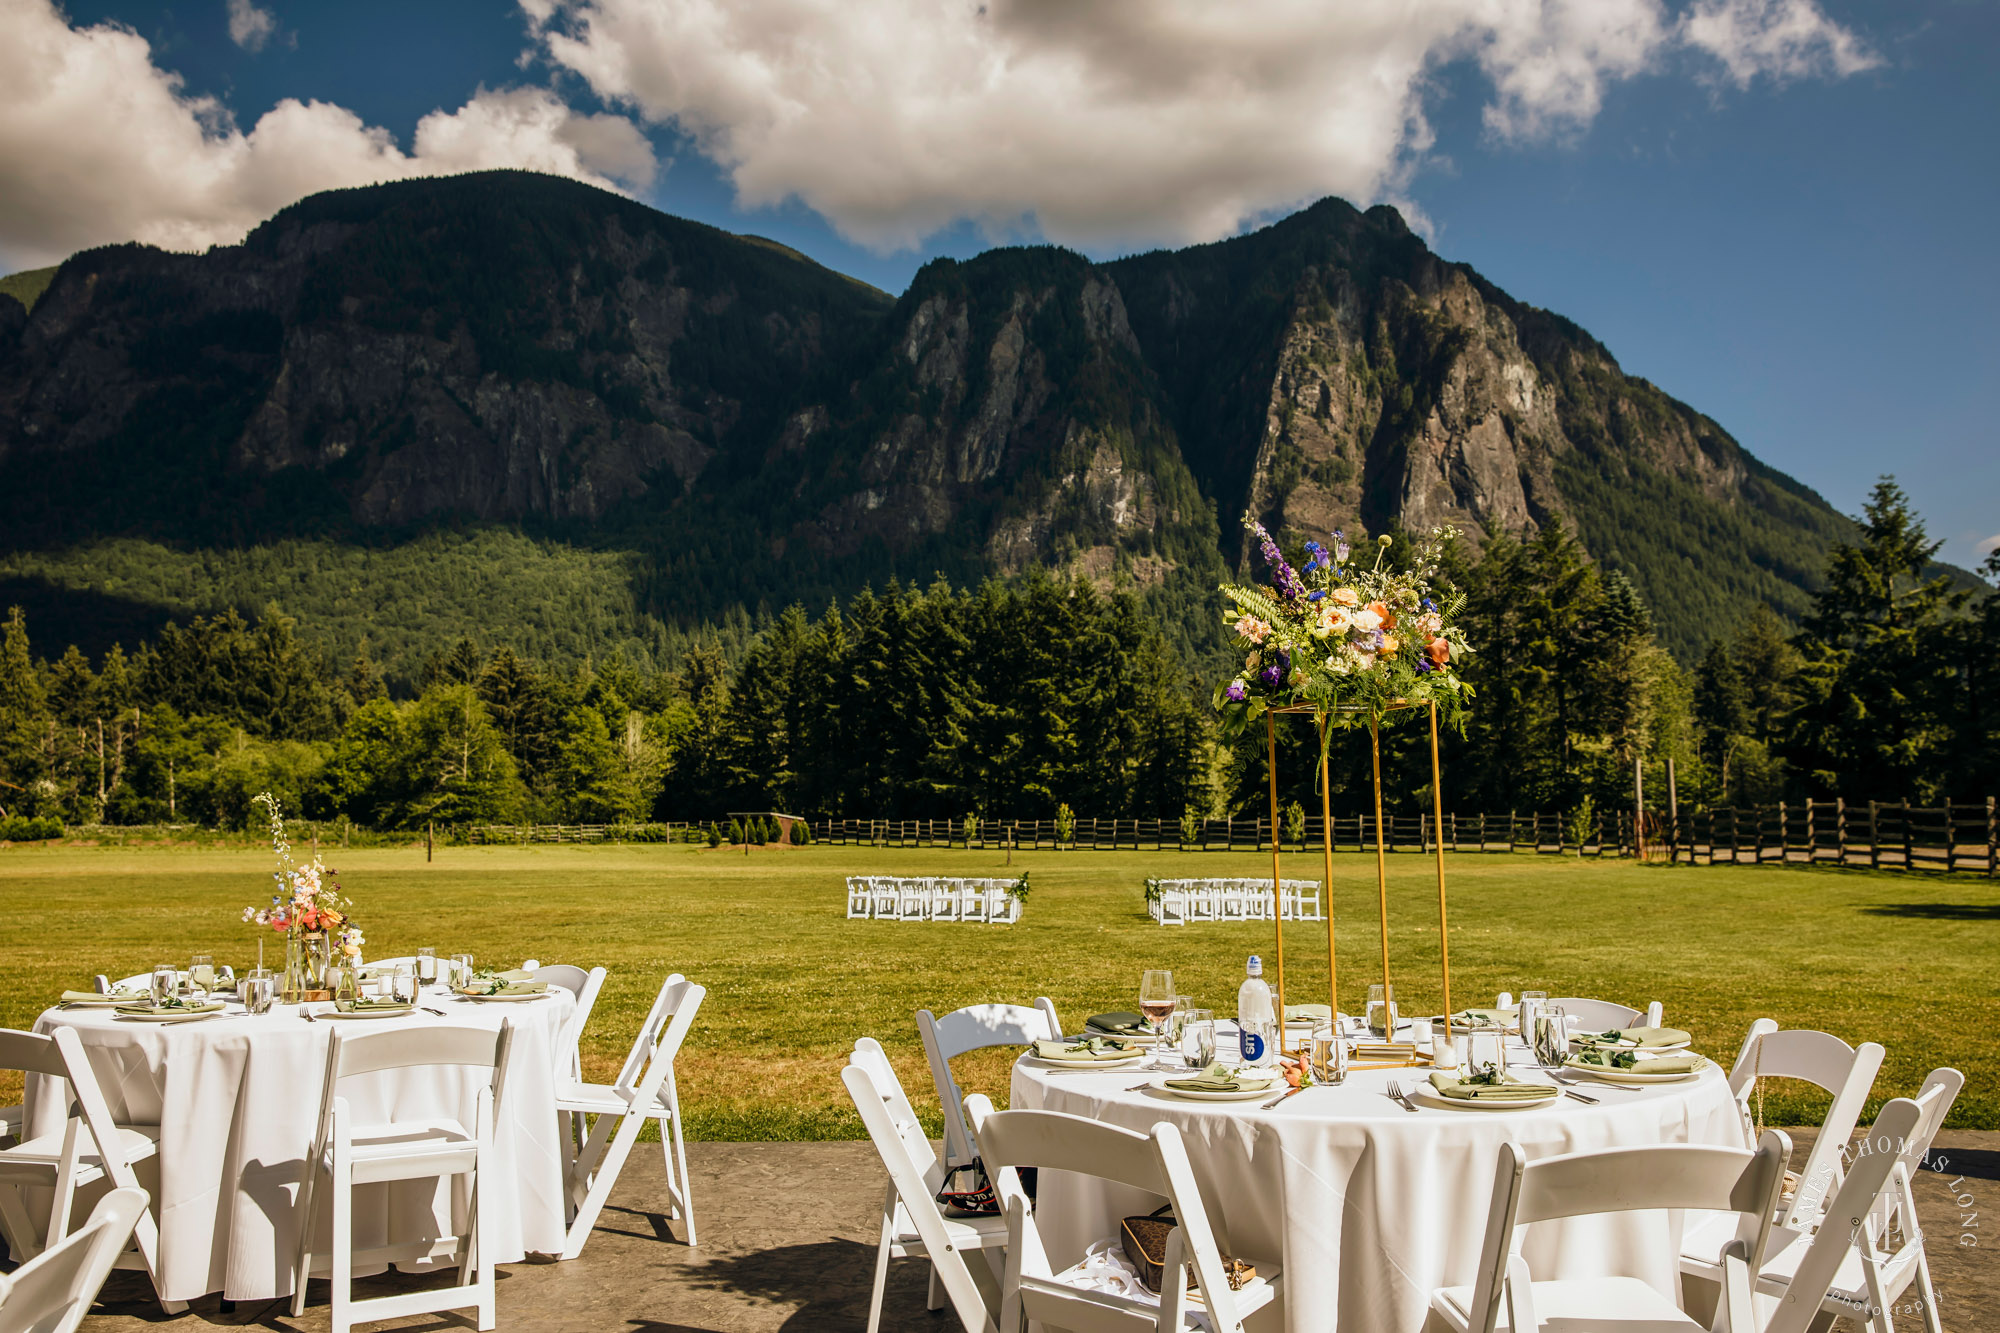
(1992, 837)
(1909, 844)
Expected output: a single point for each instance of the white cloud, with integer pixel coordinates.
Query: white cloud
(249, 26)
(1100, 124)
(97, 144)
(1990, 545)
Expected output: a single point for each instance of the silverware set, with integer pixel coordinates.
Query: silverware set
(1396, 1095)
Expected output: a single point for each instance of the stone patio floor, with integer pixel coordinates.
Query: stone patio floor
(787, 1236)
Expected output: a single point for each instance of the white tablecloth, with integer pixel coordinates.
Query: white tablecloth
(236, 1099)
(1366, 1207)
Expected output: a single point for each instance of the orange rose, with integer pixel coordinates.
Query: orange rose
(1382, 609)
(1440, 651)
(1390, 643)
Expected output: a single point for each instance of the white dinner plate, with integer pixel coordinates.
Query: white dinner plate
(171, 1015)
(484, 999)
(1117, 1062)
(1429, 1096)
(1271, 1089)
(1634, 1075)
(373, 1011)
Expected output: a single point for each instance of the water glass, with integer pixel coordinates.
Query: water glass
(340, 980)
(166, 980)
(1327, 1055)
(201, 971)
(1483, 1050)
(1198, 1038)
(403, 985)
(427, 966)
(1551, 1036)
(1382, 1012)
(260, 988)
(1531, 1005)
(461, 969)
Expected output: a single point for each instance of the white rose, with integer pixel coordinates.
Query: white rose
(1365, 620)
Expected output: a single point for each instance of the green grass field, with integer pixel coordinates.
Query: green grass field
(1904, 960)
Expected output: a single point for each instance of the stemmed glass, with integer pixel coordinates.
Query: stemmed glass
(1156, 1001)
(201, 971)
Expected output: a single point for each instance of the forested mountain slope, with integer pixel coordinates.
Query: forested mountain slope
(660, 425)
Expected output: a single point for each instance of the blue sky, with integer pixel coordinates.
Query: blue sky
(1805, 257)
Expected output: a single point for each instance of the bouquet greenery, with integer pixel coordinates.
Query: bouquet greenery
(308, 897)
(1348, 640)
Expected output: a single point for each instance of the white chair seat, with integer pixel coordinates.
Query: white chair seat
(36, 1157)
(1581, 1305)
(1252, 1296)
(602, 1099)
(963, 1233)
(409, 1149)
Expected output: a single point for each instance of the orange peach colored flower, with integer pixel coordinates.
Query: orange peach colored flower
(1390, 643)
(1382, 609)
(1346, 596)
(1440, 651)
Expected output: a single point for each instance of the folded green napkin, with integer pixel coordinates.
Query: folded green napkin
(1450, 1085)
(91, 996)
(1075, 1052)
(368, 1002)
(1124, 1025)
(1485, 1018)
(1219, 1077)
(1640, 1037)
(498, 984)
(1677, 1062)
(1304, 1013)
(175, 1005)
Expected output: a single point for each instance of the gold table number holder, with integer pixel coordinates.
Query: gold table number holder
(1413, 1057)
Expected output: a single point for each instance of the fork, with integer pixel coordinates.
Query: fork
(1396, 1095)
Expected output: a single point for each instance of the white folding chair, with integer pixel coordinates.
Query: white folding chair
(972, 899)
(913, 900)
(1173, 905)
(1158, 1164)
(52, 1292)
(1829, 1064)
(91, 1147)
(882, 898)
(585, 986)
(1604, 1015)
(346, 1154)
(970, 1029)
(1869, 1280)
(944, 900)
(1676, 1175)
(1822, 1260)
(860, 900)
(913, 1226)
(645, 1090)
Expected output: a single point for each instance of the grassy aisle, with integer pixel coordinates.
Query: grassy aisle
(1906, 961)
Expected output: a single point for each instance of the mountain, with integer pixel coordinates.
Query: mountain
(520, 407)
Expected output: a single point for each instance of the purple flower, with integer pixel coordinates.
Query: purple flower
(1340, 550)
(1236, 691)
(1370, 641)
(1424, 666)
(1272, 674)
(1316, 594)
(1283, 577)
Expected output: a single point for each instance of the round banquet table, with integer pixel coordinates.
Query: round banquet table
(1364, 1206)
(237, 1100)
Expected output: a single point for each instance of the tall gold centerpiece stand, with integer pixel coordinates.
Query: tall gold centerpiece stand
(1322, 722)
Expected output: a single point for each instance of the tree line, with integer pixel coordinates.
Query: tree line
(1015, 699)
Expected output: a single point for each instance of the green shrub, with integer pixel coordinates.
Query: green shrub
(802, 833)
(736, 831)
(23, 828)
(714, 835)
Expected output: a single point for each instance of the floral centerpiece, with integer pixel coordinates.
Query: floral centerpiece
(308, 909)
(1343, 637)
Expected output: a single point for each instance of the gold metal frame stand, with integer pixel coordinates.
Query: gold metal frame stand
(1381, 857)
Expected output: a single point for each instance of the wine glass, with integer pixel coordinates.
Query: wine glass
(201, 971)
(1156, 1001)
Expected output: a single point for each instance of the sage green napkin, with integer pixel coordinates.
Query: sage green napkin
(1450, 1085)
(371, 1002)
(1308, 1013)
(1485, 1018)
(498, 984)
(1644, 1038)
(1122, 1025)
(1219, 1077)
(1081, 1052)
(1677, 1062)
(92, 997)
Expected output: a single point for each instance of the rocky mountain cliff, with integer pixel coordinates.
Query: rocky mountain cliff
(751, 428)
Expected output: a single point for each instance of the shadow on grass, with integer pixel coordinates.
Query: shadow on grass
(1939, 911)
(826, 1281)
(1978, 1163)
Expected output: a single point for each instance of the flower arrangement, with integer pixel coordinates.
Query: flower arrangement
(308, 897)
(1343, 637)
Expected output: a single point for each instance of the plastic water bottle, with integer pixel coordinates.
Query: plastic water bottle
(1256, 1022)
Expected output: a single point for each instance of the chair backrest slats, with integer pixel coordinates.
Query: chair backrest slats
(649, 1031)
(1828, 1063)
(31, 1053)
(400, 1048)
(52, 1292)
(970, 1029)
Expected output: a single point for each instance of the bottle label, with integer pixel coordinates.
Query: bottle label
(1253, 1047)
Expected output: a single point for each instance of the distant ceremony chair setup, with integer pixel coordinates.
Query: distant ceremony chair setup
(1176, 902)
(884, 898)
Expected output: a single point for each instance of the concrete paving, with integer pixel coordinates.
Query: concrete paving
(787, 1243)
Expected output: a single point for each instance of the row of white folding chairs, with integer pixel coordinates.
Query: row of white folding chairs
(885, 898)
(1183, 900)
(1771, 1281)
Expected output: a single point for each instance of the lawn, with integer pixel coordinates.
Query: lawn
(1904, 960)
